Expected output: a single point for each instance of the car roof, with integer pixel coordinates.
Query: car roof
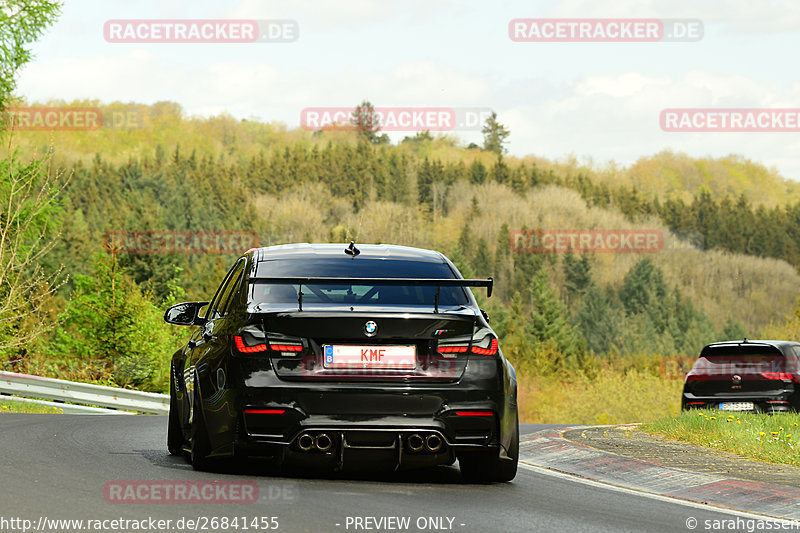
(371, 251)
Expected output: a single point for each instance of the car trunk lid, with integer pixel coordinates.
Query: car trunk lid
(397, 346)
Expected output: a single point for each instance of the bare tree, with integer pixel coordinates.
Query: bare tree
(28, 193)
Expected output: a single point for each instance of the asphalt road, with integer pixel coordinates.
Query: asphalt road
(57, 466)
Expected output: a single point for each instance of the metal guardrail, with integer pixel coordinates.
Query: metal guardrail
(29, 386)
(68, 408)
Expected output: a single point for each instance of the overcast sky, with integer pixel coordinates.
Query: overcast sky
(592, 100)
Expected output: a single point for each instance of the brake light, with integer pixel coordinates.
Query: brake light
(474, 413)
(783, 376)
(243, 348)
(264, 411)
(491, 350)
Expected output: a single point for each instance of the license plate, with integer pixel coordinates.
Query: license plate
(355, 356)
(736, 406)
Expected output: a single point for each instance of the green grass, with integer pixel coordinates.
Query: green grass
(13, 406)
(770, 438)
(608, 397)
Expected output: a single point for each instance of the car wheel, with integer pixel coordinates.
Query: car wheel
(174, 431)
(488, 467)
(200, 446)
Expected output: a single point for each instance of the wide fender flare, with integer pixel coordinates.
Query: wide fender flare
(509, 424)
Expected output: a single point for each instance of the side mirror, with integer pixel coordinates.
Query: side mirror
(185, 314)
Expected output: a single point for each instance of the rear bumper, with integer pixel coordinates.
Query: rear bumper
(368, 427)
(457, 431)
(368, 424)
(773, 403)
(387, 447)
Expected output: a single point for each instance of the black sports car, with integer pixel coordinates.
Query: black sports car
(334, 357)
(755, 376)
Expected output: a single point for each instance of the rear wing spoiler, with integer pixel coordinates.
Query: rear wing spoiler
(438, 283)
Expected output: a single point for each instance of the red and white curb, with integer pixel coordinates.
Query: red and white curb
(548, 449)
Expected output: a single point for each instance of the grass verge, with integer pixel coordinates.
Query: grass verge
(610, 396)
(12, 406)
(769, 438)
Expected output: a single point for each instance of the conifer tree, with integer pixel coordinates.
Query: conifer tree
(598, 320)
(482, 262)
(549, 325)
(477, 172)
(577, 276)
(500, 172)
(494, 135)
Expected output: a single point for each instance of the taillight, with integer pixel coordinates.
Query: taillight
(491, 349)
(453, 346)
(284, 344)
(698, 377)
(264, 411)
(453, 349)
(783, 376)
(244, 348)
(252, 339)
(486, 346)
(285, 347)
(474, 413)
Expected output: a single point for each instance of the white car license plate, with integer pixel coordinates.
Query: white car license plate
(736, 406)
(357, 356)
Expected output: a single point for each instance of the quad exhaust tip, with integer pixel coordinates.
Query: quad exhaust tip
(308, 442)
(305, 442)
(415, 443)
(433, 443)
(323, 442)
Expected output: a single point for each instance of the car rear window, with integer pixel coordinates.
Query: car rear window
(754, 353)
(755, 359)
(355, 294)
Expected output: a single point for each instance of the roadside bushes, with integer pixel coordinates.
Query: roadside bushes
(633, 389)
(113, 322)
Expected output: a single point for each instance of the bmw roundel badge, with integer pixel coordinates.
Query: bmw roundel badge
(370, 328)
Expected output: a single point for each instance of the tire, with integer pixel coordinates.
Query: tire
(175, 439)
(200, 446)
(488, 467)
